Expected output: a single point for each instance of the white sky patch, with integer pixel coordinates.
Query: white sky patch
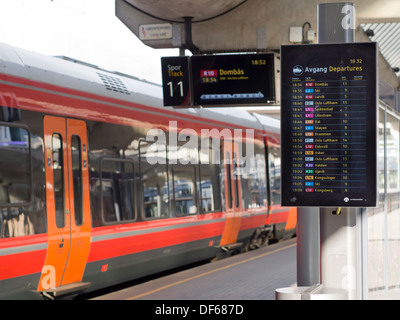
(86, 30)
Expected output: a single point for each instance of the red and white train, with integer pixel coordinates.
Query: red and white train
(87, 201)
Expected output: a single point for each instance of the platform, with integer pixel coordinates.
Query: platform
(252, 275)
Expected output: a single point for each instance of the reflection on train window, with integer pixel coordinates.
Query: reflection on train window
(209, 184)
(153, 167)
(15, 168)
(274, 158)
(183, 160)
(117, 190)
(58, 178)
(184, 189)
(236, 179)
(77, 178)
(254, 179)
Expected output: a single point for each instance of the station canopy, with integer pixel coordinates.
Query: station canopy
(387, 35)
(252, 25)
(230, 26)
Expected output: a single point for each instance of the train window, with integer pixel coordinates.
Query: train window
(114, 171)
(117, 190)
(246, 183)
(254, 180)
(261, 178)
(15, 168)
(184, 192)
(183, 159)
(274, 159)
(236, 179)
(77, 178)
(58, 179)
(154, 176)
(209, 184)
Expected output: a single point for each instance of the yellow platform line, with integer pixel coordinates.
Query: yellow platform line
(209, 272)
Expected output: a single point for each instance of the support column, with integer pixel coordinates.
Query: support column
(338, 232)
(308, 258)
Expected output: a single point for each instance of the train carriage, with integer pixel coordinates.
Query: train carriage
(100, 184)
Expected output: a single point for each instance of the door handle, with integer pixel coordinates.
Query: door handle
(60, 245)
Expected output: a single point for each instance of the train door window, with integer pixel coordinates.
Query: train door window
(58, 176)
(154, 176)
(209, 184)
(229, 179)
(77, 178)
(117, 190)
(15, 168)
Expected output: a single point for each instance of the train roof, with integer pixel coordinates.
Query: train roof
(268, 123)
(82, 76)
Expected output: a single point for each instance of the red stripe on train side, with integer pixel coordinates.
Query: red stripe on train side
(124, 245)
(120, 246)
(7, 243)
(115, 247)
(286, 215)
(23, 263)
(253, 221)
(278, 214)
(112, 248)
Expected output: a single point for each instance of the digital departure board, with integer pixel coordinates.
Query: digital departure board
(329, 125)
(234, 79)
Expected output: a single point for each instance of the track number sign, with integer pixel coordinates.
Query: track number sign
(175, 73)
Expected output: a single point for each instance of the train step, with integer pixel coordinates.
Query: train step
(67, 290)
(232, 246)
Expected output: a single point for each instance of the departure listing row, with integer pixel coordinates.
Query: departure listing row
(327, 114)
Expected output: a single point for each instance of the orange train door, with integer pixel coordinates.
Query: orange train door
(233, 193)
(68, 206)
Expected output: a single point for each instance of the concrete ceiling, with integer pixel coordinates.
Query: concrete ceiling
(240, 25)
(175, 10)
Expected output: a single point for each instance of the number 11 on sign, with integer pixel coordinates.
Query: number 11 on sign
(171, 88)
